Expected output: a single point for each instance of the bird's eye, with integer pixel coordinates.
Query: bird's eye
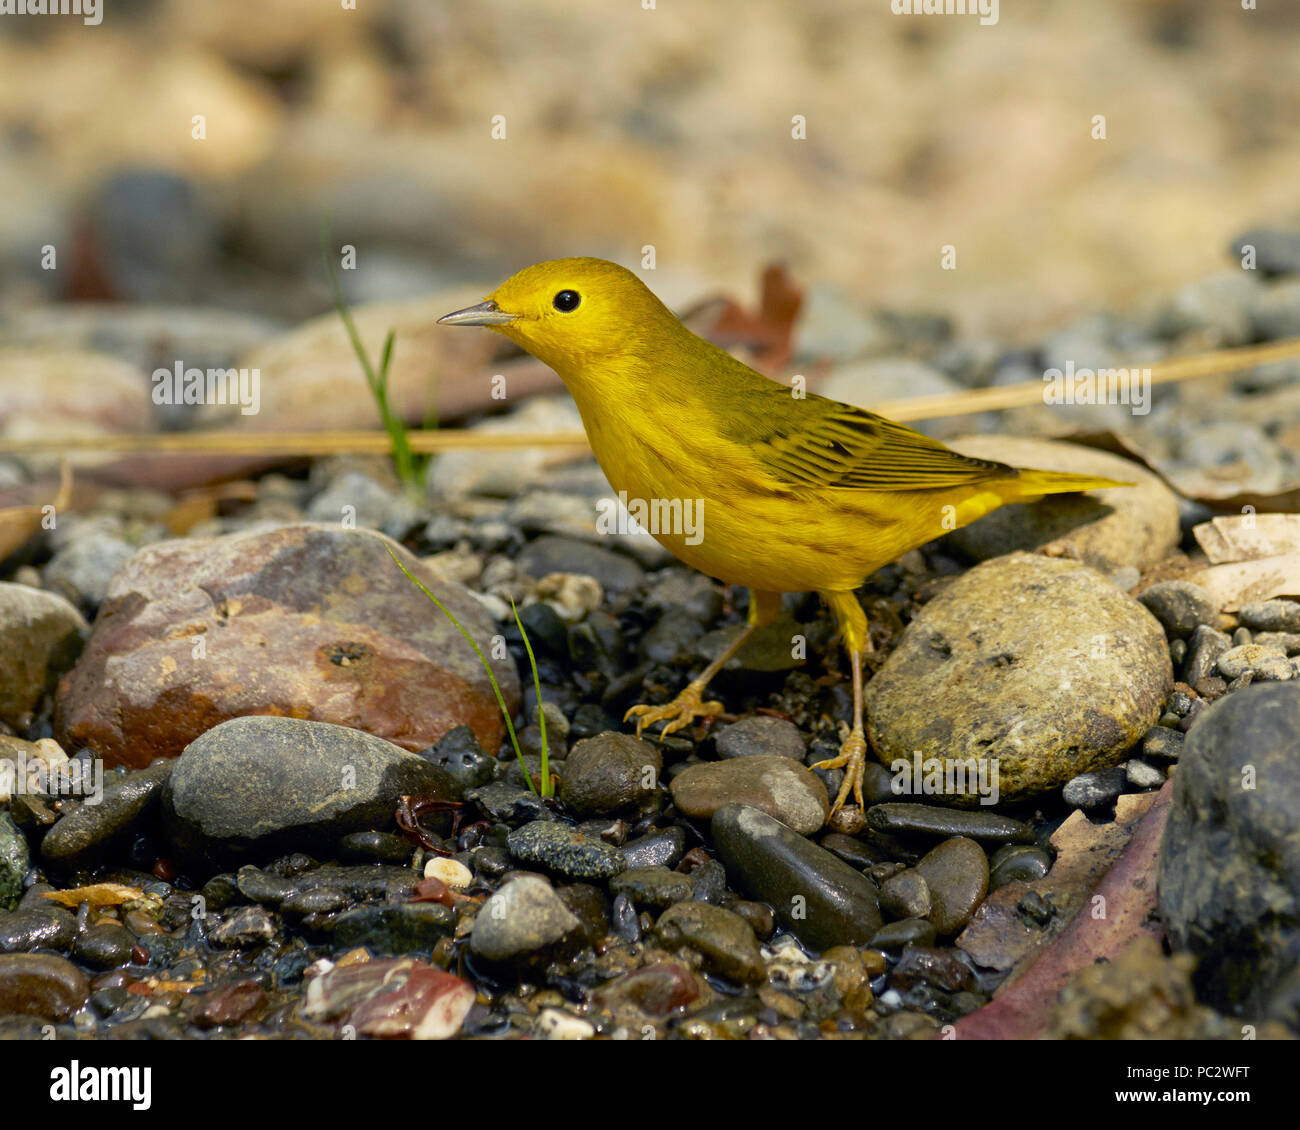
(566, 301)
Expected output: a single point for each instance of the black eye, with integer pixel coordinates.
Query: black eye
(566, 301)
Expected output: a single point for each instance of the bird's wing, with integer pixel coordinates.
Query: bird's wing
(821, 443)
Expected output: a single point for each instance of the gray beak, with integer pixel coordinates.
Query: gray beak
(484, 314)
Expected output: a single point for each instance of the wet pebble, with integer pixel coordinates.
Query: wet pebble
(957, 873)
(611, 773)
(904, 932)
(47, 927)
(931, 820)
(246, 926)
(816, 896)
(1017, 863)
(553, 554)
(905, 895)
(566, 851)
(654, 887)
(656, 849)
(724, 940)
(15, 859)
(376, 847)
(85, 836)
(760, 736)
(458, 753)
(105, 945)
(40, 985)
(409, 927)
(942, 969)
(778, 786)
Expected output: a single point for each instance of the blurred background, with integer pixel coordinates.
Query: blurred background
(626, 127)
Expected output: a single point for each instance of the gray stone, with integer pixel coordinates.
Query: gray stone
(551, 554)
(1092, 790)
(957, 873)
(524, 918)
(261, 786)
(778, 786)
(1271, 616)
(15, 859)
(388, 931)
(610, 773)
(653, 887)
(90, 832)
(816, 896)
(1180, 606)
(931, 820)
(724, 940)
(760, 736)
(1229, 877)
(565, 850)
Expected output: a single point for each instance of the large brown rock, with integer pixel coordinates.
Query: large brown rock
(307, 621)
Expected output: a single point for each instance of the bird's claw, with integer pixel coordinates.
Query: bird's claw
(676, 715)
(852, 759)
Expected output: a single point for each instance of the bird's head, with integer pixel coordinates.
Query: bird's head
(571, 313)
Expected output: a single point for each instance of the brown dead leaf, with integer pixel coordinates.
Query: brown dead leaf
(19, 524)
(767, 333)
(97, 894)
(1021, 1011)
(197, 505)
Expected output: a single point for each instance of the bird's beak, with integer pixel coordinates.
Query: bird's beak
(484, 314)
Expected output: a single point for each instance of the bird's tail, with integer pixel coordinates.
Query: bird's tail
(1032, 483)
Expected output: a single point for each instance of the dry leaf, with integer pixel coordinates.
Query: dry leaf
(97, 894)
(19, 524)
(1129, 890)
(1248, 537)
(1242, 582)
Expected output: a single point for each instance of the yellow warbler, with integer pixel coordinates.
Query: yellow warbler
(799, 493)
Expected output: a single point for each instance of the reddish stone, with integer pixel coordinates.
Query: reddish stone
(305, 621)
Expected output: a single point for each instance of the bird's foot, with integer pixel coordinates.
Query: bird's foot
(676, 715)
(852, 759)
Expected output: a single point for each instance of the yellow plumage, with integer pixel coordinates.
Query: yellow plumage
(796, 492)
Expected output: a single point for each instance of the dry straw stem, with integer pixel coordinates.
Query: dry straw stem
(445, 439)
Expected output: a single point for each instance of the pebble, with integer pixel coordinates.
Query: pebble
(931, 820)
(654, 887)
(82, 569)
(611, 773)
(904, 932)
(905, 895)
(1229, 879)
(1163, 743)
(41, 635)
(1180, 606)
(564, 850)
(657, 849)
(778, 786)
(105, 945)
(330, 781)
(1017, 863)
(1093, 790)
(458, 753)
(658, 990)
(1203, 651)
(449, 871)
(724, 940)
(1277, 250)
(40, 985)
(1271, 616)
(760, 736)
(1251, 657)
(957, 873)
(548, 554)
(522, 919)
(1141, 775)
(89, 833)
(408, 927)
(375, 847)
(15, 859)
(1038, 662)
(41, 927)
(816, 896)
(555, 1024)
(942, 969)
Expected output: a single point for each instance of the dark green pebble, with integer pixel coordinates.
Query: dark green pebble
(105, 945)
(906, 931)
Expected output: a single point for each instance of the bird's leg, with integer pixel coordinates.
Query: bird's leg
(853, 752)
(764, 607)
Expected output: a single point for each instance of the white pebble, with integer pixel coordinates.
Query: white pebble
(452, 872)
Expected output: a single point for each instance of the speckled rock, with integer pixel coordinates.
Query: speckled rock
(308, 621)
(566, 851)
(1038, 662)
(525, 917)
(1180, 606)
(760, 736)
(15, 858)
(1229, 880)
(1107, 529)
(653, 887)
(1271, 616)
(775, 785)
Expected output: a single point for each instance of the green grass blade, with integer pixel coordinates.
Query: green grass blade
(541, 714)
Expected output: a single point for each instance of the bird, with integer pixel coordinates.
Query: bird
(795, 492)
